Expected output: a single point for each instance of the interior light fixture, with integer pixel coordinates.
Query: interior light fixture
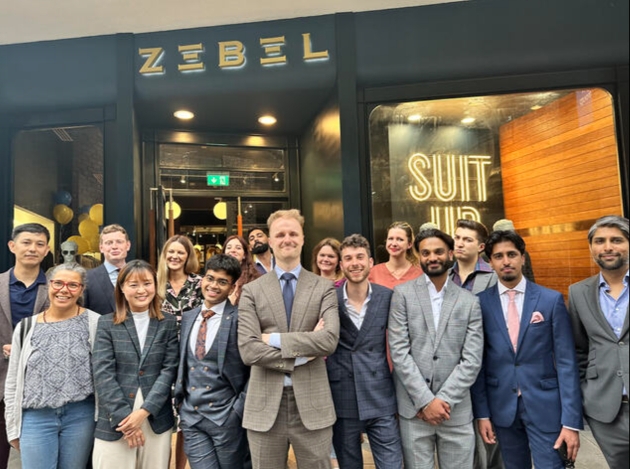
(536, 107)
(183, 114)
(183, 180)
(468, 120)
(414, 118)
(276, 178)
(267, 120)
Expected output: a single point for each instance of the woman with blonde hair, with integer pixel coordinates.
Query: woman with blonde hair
(325, 260)
(135, 364)
(402, 264)
(238, 248)
(49, 393)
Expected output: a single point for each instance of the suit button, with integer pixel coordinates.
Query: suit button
(196, 407)
(621, 343)
(371, 349)
(208, 388)
(192, 368)
(349, 375)
(517, 364)
(193, 388)
(132, 395)
(141, 372)
(205, 368)
(620, 373)
(209, 404)
(428, 380)
(514, 390)
(434, 357)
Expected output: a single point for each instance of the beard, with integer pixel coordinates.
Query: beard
(260, 248)
(618, 263)
(444, 266)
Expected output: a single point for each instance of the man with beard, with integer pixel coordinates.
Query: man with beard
(360, 379)
(528, 386)
(259, 244)
(599, 313)
(436, 344)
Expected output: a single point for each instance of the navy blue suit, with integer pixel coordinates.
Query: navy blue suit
(99, 291)
(362, 386)
(544, 370)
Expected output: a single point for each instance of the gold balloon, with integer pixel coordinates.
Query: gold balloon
(82, 244)
(93, 241)
(62, 214)
(83, 216)
(220, 210)
(96, 213)
(177, 210)
(88, 228)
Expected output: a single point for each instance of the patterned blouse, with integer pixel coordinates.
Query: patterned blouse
(189, 297)
(59, 370)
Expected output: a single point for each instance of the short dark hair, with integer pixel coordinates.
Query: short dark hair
(30, 228)
(355, 241)
(229, 264)
(504, 236)
(258, 228)
(479, 228)
(609, 221)
(433, 233)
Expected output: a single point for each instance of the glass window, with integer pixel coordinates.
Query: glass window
(547, 161)
(59, 183)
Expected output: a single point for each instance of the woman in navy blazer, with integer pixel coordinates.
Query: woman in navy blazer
(135, 363)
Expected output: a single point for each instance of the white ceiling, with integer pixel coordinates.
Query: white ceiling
(41, 20)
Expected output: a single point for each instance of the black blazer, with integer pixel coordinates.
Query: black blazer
(120, 368)
(99, 291)
(360, 380)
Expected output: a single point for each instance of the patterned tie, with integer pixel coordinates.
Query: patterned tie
(200, 346)
(287, 294)
(512, 318)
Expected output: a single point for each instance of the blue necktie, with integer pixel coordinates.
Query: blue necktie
(287, 294)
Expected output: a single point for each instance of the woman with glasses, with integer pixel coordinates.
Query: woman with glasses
(49, 394)
(236, 247)
(135, 363)
(180, 286)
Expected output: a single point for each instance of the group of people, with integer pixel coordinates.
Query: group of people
(436, 351)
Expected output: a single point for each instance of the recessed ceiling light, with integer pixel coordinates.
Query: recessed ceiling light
(183, 114)
(468, 120)
(414, 118)
(536, 107)
(267, 120)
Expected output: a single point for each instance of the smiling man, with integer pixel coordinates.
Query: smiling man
(212, 378)
(259, 244)
(114, 244)
(528, 386)
(599, 314)
(23, 292)
(436, 344)
(359, 375)
(288, 323)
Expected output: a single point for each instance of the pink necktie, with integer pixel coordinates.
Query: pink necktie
(513, 323)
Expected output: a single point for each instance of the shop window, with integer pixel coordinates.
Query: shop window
(219, 169)
(58, 182)
(547, 161)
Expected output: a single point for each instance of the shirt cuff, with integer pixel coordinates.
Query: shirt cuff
(300, 361)
(275, 340)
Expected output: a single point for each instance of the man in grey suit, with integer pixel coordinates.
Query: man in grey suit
(360, 379)
(599, 315)
(288, 323)
(114, 245)
(23, 292)
(212, 378)
(436, 344)
(475, 275)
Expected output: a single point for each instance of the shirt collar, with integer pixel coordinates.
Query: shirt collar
(110, 267)
(218, 309)
(295, 271)
(520, 287)
(40, 280)
(603, 283)
(344, 289)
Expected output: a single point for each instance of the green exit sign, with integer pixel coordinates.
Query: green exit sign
(219, 179)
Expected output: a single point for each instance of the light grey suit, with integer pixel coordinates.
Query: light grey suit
(430, 363)
(603, 363)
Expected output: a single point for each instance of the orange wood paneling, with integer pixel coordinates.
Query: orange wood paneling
(560, 171)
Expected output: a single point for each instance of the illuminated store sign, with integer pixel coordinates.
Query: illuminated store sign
(231, 55)
(448, 179)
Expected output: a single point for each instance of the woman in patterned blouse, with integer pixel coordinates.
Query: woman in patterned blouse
(180, 286)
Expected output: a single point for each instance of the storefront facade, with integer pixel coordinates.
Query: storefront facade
(369, 107)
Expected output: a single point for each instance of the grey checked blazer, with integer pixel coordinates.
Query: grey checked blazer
(261, 310)
(120, 368)
(602, 356)
(6, 323)
(430, 363)
(360, 379)
(231, 366)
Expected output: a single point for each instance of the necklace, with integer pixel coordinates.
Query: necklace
(398, 272)
(44, 314)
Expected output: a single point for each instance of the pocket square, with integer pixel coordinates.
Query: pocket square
(536, 317)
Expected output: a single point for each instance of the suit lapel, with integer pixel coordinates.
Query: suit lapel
(344, 318)
(5, 296)
(529, 304)
(272, 290)
(223, 335)
(133, 334)
(496, 311)
(303, 291)
(448, 304)
(41, 299)
(591, 297)
(424, 300)
(372, 307)
(151, 331)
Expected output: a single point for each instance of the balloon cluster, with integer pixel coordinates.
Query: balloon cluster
(90, 218)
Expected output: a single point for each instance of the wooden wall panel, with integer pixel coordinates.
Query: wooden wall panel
(560, 173)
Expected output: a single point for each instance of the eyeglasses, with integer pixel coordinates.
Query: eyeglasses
(219, 281)
(59, 284)
(65, 253)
